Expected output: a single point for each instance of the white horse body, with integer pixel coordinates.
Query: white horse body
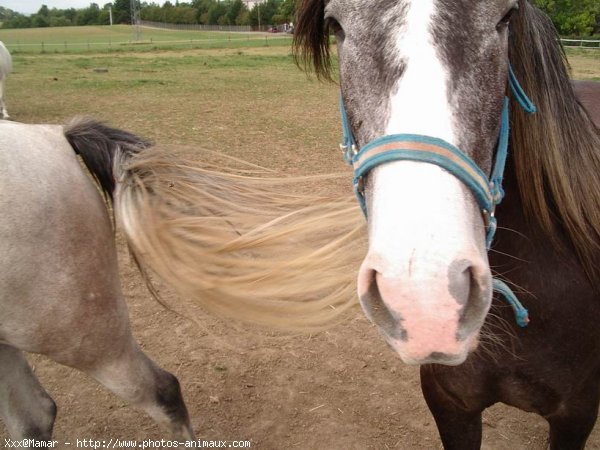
(5, 69)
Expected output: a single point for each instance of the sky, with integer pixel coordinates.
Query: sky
(33, 6)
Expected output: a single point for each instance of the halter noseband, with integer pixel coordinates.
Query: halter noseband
(488, 192)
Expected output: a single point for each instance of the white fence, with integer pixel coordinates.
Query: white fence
(581, 43)
(227, 40)
(283, 28)
(175, 26)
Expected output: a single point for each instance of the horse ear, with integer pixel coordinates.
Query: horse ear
(311, 39)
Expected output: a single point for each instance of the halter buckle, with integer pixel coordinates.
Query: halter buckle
(349, 152)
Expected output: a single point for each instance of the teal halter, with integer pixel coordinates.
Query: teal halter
(488, 192)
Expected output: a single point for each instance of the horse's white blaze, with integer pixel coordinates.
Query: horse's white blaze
(411, 214)
(419, 101)
(425, 233)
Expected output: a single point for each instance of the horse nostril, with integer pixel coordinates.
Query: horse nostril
(474, 298)
(460, 275)
(375, 308)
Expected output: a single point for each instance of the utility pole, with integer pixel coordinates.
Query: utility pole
(135, 20)
(258, 9)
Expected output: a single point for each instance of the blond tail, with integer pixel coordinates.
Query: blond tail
(242, 246)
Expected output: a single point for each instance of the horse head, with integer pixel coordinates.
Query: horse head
(436, 69)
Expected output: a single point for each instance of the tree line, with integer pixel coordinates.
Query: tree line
(46, 17)
(208, 12)
(571, 17)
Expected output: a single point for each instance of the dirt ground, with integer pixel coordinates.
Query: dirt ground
(341, 389)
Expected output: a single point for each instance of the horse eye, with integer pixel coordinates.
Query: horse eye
(334, 26)
(506, 19)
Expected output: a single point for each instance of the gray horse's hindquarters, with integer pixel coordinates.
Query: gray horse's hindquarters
(59, 285)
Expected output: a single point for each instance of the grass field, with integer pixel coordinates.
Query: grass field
(121, 38)
(243, 100)
(585, 64)
(248, 101)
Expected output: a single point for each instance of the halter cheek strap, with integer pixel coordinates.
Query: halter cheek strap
(487, 192)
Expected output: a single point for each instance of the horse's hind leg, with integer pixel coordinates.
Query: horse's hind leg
(94, 336)
(2, 103)
(25, 407)
(135, 378)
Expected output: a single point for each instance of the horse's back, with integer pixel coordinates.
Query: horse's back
(588, 94)
(40, 176)
(56, 240)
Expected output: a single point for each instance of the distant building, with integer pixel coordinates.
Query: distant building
(250, 3)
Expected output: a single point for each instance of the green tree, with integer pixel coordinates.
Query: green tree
(7, 14)
(44, 11)
(266, 10)
(287, 9)
(234, 9)
(104, 17)
(572, 17)
(40, 21)
(121, 11)
(60, 21)
(88, 16)
(17, 21)
(152, 13)
(70, 14)
(202, 7)
(215, 12)
(180, 14)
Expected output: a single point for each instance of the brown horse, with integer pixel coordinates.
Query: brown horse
(588, 94)
(552, 368)
(439, 68)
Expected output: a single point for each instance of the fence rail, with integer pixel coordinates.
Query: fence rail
(582, 43)
(198, 27)
(227, 39)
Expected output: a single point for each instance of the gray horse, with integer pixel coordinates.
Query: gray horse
(5, 69)
(59, 283)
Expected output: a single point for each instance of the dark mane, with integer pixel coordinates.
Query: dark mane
(557, 150)
(311, 39)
